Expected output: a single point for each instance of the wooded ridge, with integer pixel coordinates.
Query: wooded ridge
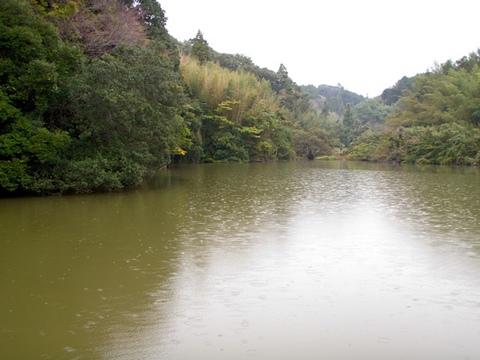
(95, 95)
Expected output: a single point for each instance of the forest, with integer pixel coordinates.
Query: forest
(95, 95)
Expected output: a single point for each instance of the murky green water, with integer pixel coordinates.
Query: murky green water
(290, 260)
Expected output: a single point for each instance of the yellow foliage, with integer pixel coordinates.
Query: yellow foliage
(56, 10)
(235, 94)
(179, 151)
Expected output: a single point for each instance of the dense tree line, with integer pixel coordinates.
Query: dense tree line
(96, 95)
(435, 119)
(90, 96)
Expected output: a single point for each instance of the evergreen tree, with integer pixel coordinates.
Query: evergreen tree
(284, 81)
(155, 20)
(200, 48)
(348, 119)
(325, 110)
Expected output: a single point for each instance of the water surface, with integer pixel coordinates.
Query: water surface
(305, 260)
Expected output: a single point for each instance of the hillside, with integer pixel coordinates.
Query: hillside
(96, 95)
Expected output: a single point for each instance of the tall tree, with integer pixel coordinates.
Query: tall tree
(348, 119)
(200, 48)
(284, 80)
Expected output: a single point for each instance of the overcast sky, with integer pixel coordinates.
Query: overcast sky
(366, 46)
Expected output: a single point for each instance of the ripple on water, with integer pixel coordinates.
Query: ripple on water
(295, 260)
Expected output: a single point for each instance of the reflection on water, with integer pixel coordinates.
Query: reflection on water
(303, 260)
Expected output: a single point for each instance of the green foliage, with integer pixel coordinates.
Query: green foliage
(267, 138)
(222, 140)
(325, 110)
(371, 112)
(436, 118)
(336, 96)
(211, 85)
(29, 47)
(67, 124)
(152, 17)
(155, 21)
(369, 146)
(447, 95)
(443, 144)
(52, 9)
(234, 61)
(100, 173)
(94, 97)
(317, 133)
(126, 109)
(26, 151)
(280, 98)
(348, 120)
(315, 142)
(239, 121)
(391, 95)
(200, 49)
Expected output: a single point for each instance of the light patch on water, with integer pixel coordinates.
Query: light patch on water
(302, 260)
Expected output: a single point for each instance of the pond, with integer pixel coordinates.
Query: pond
(304, 260)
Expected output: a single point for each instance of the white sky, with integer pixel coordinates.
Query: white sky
(366, 46)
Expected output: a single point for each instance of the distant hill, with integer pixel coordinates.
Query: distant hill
(337, 97)
(391, 95)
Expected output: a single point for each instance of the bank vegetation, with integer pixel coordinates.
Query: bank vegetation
(95, 95)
